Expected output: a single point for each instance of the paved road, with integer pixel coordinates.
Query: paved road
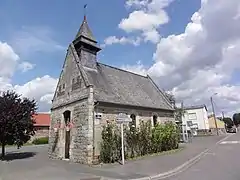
(32, 162)
(221, 163)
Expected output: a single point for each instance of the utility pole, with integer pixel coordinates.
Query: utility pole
(183, 126)
(222, 114)
(214, 116)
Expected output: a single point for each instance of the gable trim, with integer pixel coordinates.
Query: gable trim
(160, 91)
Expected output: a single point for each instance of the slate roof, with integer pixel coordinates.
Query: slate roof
(118, 86)
(85, 31)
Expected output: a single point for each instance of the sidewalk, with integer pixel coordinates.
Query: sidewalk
(153, 165)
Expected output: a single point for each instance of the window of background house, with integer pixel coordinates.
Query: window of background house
(192, 116)
(154, 120)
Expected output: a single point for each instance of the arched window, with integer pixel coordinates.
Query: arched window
(154, 120)
(67, 117)
(133, 123)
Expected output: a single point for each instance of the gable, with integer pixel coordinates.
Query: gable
(71, 80)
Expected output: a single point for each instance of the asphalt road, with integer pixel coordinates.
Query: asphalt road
(221, 163)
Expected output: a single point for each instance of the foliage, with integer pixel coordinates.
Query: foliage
(165, 137)
(236, 119)
(228, 121)
(179, 113)
(139, 141)
(41, 140)
(171, 98)
(111, 142)
(16, 122)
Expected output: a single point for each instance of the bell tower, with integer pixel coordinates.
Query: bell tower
(86, 46)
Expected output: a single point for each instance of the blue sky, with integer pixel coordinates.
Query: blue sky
(177, 42)
(62, 19)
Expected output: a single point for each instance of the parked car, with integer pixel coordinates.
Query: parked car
(232, 130)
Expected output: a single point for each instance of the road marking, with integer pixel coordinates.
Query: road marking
(230, 142)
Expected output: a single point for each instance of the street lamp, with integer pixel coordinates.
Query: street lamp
(214, 116)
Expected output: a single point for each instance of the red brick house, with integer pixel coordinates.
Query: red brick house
(42, 123)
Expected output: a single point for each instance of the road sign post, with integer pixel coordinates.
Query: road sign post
(121, 119)
(123, 159)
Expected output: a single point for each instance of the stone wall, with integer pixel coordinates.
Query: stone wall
(79, 134)
(41, 132)
(110, 114)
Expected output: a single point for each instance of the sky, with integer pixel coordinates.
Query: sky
(189, 47)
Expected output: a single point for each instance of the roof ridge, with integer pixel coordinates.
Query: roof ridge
(160, 91)
(122, 69)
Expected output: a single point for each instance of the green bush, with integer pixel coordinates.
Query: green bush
(111, 144)
(138, 141)
(41, 140)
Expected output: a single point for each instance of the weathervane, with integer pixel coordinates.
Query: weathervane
(85, 11)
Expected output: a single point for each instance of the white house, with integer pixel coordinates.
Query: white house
(196, 117)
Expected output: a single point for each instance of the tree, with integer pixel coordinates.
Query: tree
(228, 121)
(179, 112)
(236, 119)
(16, 119)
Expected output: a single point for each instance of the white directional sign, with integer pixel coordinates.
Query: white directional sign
(123, 118)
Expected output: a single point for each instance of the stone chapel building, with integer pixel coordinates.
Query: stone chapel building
(90, 93)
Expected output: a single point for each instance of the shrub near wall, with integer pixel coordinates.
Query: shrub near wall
(138, 141)
(41, 140)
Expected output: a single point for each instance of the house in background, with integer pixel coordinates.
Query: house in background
(196, 118)
(42, 123)
(212, 125)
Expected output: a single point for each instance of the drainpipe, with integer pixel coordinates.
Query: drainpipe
(95, 105)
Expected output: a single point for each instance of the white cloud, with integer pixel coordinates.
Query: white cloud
(151, 35)
(8, 60)
(26, 66)
(143, 22)
(41, 88)
(201, 61)
(123, 40)
(38, 88)
(30, 40)
(138, 68)
(136, 3)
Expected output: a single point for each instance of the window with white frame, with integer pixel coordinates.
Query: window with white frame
(192, 116)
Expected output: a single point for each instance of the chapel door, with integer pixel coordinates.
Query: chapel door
(67, 116)
(67, 145)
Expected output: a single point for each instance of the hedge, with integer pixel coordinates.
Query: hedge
(138, 141)
(41, 140)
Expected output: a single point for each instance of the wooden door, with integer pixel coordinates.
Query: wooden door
(67, 145)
